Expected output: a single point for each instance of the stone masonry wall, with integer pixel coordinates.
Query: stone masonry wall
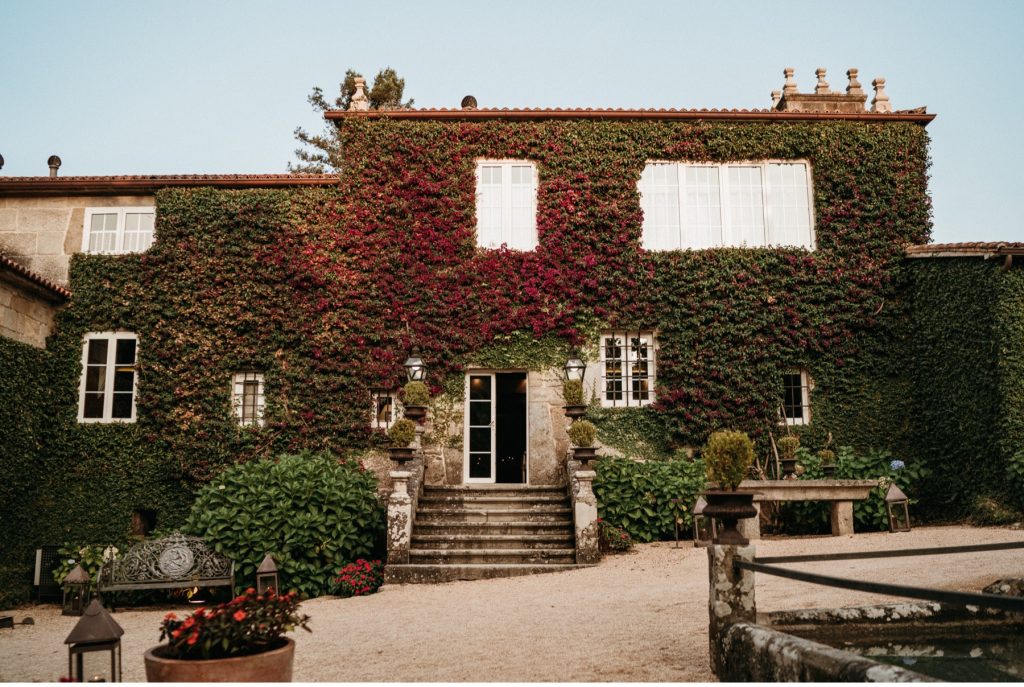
(42, 233)
(25, 316)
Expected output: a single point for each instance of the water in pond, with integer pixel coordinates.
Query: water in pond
(987, 658)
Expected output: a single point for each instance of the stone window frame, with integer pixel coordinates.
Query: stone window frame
(248, 384)
(804, 388)
(771, 204)
(507, 231)
(119, 240)
(628, 372)
(109, 371)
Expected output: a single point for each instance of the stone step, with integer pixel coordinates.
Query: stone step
(517, 556)
(492, 500)
(492, 541)
(445, 528)
(413, 573)
(506, 489)
(545, 513)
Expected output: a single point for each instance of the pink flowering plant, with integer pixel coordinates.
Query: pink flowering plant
(359, 578)
(248, 624)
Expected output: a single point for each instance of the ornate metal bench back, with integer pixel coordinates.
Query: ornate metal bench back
(177, 558)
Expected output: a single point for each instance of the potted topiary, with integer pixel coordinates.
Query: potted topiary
(727, 456)
(582, 434)
(572, 394)
(238, 641)
(828, 462)
(415, 397)
(402, 434)
(787, 455)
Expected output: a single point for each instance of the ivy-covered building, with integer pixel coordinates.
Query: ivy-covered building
(717, 268)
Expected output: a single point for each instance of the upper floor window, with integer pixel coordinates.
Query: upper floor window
(384, 409)
(627, 369)
(796, 397)
(107, 390)
(247, 398)
(744, 204)
(118, 230)
(506, 204)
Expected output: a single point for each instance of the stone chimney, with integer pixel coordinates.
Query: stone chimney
(823, 99)
(880, 103)
(360, 103)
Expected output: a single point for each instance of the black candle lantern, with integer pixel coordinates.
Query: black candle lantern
(76, 591)
(575, 369)
(898, 505)
(97, 632)
(704, 529)
(415, 370)
(266, 576)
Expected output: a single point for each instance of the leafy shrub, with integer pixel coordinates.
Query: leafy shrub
(827, 457)
(614, 538)
(727, 455)
(638, 497)
(582, 433)
(90, 557)
(402, 432)
(359, 578)
(572, 392)
(787, 446)
(416, 394)
(248, 624)
(1015, 474)
(311, 512)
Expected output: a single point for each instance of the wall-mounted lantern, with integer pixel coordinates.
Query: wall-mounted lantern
(704, 528)
(96, 633)
(415, 370)
(76, 591)
(266, 576)
(898, 506)
(575, 369)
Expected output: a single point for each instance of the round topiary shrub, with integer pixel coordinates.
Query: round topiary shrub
(415, 394)
(311, 512)
(788, 446)
(402, 433)
(582, 433)
(727, 456)
(572, 392)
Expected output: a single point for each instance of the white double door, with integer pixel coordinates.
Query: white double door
(496, 430)
(481, 427)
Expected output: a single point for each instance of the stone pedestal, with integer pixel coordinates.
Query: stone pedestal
(588, 539)
(751, 527)
(400, 514)
(730, 597)
(842, 517)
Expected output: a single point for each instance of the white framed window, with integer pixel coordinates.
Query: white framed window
(506, 204)
(742, 204)
(628, 361)
(118, 230)
(247, 398)
(383, 409)
(107, 389)
(796, 397)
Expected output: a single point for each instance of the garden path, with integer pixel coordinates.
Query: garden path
(636, 617)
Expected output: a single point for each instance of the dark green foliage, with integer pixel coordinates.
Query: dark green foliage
(788, 446)
(312, 513)
(727, 456)
(638, 496)
(614, 538)
(635, 432)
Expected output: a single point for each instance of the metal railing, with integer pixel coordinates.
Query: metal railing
(1006, 603)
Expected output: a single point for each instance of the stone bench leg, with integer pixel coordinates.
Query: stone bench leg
(751, 527)
(842, 518)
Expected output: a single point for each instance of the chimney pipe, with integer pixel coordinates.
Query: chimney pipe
(54, 163)
(1, 161)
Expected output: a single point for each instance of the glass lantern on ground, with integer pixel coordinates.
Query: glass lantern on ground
(898, 505)
(93, 643)
(76, 591)
(415, 370)
(266, 576)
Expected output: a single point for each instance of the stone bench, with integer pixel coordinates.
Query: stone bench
(840, 493)
(176, 561)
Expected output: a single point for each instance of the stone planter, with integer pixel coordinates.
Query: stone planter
(415, 413)
(729, 507)
(788, 468)
(584, 454)
(270, 666)
(575, 412)
(402, 454)
(829, 470)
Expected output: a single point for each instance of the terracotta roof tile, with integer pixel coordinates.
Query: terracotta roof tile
(7, 264)
(149, 183)
(970, 248)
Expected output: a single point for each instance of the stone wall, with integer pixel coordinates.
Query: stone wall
(25, 314)
(43, 232)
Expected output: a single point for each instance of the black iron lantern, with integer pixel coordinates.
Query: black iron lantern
(575, 369)
(96, 634)
(415, 370)
(266, 575)
(898, 505)
(704, 528)
(76, 591)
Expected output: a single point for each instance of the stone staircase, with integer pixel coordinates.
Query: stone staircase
(482, 531)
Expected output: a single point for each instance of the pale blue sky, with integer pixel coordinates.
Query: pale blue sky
(202, 86)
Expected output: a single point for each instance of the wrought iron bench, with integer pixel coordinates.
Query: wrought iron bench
(176, 561)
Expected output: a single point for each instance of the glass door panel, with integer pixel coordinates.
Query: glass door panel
(480, 428)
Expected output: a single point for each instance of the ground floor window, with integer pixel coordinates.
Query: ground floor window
(383, 409)
(796, 399)
(107, 390)
(247, 398)
(627, 368)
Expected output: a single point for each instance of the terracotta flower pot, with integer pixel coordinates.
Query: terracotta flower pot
(402, 454)
(416, 413)
(270, 666)
(729, 507)
(575, 411)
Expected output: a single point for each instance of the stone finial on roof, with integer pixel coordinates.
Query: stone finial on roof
(790, 85)
(822, 87)
(776, 97)
(880, 103)
(853, 88)
(360, 102)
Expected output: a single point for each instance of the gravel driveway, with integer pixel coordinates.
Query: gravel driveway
(636, 617)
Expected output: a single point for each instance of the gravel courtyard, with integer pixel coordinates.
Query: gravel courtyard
(636, 617)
